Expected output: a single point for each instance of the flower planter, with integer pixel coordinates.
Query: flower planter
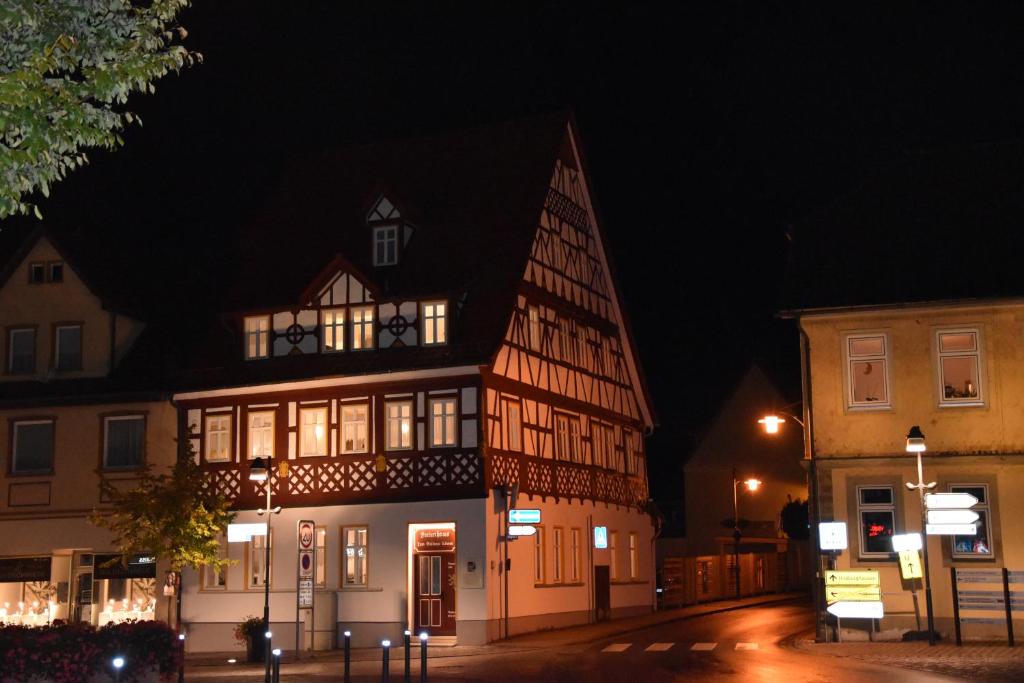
(255, 648)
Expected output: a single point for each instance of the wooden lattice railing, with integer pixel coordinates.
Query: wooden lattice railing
(565, 480)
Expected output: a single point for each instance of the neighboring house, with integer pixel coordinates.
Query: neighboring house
(72, 405)
(907, 294)
(417, 325)
(735, 442)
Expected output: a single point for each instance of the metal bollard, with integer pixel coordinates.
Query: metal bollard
(385, 669)
(408, 665)
(423, 657)
(266, 654)
(277, 665)
(348, 657)
(118, 663)
(181, 665)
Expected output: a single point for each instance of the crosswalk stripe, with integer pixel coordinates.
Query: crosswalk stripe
(704, 647)
(746, 646)
(617, 647)
(659, 647)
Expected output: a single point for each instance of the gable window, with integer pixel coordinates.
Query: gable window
(385, 245)
(21, 351)
(313, 433)
(36, 273)
(980, 544)
(32, 447)
(333, 329)
(354, 560)
(362, 327)
(68, 351)
(442, 422)
(867, 371)
(257, 336)
(55, 271)
(399, 425)
(261, 434)
(354, 428)
(533, 327)
(959, 359)
(124, 438)
(513, 426)
(435, 323)
(218, 438)
(876, 512)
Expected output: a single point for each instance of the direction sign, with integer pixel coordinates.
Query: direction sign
(857, 610)
(951, 529)
(949, 500)
(832, 535)
(906, 542)
(910, 563)
(952, 516)
(521, 530)
(852, 594)
(864, 577)
(523, 516)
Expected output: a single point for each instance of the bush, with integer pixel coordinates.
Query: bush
(74, 652)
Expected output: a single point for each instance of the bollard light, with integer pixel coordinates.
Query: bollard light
(276, 667)
(348, 656)
(118, 663)
(407, 674)
(268, 635)
(385, 668)
(423, 657)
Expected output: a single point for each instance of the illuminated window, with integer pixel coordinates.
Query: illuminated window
(21, 351)
(32, 447)
(124, 439)
(354, 428)
(980, 544)
(257, 336)
(385, 245)
(556, 547)
(442, 422)
(354, 560)
(333, 329)
(435, 323)
(362, 327)
(321, 557)
(218, 438)
(533, 327)
(876, 509)
(258, 561)
(399, 425)
(538, 556)
(613, 559)
(512, 425)
(261, 434)
(867, 371)
(634, 557)
(313, 432)
(68, 353)
(574, 555)
(959, 367)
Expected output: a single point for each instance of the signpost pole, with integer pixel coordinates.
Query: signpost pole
(1008, 606)
(924, 551)
(507, 495)
(956, 605)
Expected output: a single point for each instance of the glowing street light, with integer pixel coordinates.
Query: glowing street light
(751, 485)
(771, 423)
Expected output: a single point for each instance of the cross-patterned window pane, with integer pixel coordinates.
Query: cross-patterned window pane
(435, 323)
(313, 434)
(442, 422)
(385, 245)
(354, 428)
(218, 438)
(261, 434)
(257, 336)
(362, 327)
(333, 329)
(399, 425)
(355, 556)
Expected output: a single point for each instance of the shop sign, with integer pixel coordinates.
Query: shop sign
(112, 567)
(17, 569)
(438, 540)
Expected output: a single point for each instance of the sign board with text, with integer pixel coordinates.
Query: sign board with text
(862, 577)
(305, 593)
(910, 564)
(852, 594)
(832, 535)
(435, 540)
(951, 529)
(523, 516)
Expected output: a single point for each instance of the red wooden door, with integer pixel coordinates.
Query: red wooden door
(435, 593)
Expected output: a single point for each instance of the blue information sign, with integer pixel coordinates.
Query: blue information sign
(523, 516)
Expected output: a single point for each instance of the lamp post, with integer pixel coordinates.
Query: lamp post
(260, 472)
(751, 485)
(915, 444)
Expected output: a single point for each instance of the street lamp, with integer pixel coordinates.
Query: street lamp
(915, 444)
(260, 472)
(751, 485)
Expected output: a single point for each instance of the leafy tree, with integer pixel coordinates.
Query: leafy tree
(174, 516)
(67, 68)
(795, 519)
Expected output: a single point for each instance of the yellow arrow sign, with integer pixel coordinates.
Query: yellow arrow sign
(910, 564)
(864, 577)
(835, 594)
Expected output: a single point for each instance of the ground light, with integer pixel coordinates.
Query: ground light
(118, 663)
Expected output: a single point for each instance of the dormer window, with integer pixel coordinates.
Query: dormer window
(435, 329)
(257, 337)
(385, 245)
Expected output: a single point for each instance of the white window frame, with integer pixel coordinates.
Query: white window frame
(613, 555)
(533, 328)
(435, 323)
(979, 359)
(574, 554)
(106, 441)
(447, 419)
(634, 556)
(512, 420)
(399, 419)
(354, 423)
(254, 581)
(850, 359)
(558, 565)
(250, 454)
(575, 440)
(538, 556)
(561, 437)
(320, 544)
(56, 349)
(320, 440)
(363, 580)
(332, 324)
(257, 337)
(220, 436)
(874, 507)
(362, 323)
(385, 236)
(14, 446)
(10, 350)
(984, 507)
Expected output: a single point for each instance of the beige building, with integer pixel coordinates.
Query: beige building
(68, 413)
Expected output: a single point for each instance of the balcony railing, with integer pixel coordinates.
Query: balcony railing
(565, 480)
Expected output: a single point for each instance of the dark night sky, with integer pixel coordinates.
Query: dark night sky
(708, 128)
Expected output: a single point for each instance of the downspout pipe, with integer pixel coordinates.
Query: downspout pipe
(813, 508)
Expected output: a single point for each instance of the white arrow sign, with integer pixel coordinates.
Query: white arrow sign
(949, 500)
(906, 542)
(952, 516)
(951, 529)
(857, 610)
(521, 530)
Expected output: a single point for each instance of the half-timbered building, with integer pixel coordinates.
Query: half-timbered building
(419, 327)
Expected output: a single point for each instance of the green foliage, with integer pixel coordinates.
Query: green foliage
(174, 516)
(67, 68)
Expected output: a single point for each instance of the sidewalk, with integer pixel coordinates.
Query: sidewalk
(573, 635)
(976, 662)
